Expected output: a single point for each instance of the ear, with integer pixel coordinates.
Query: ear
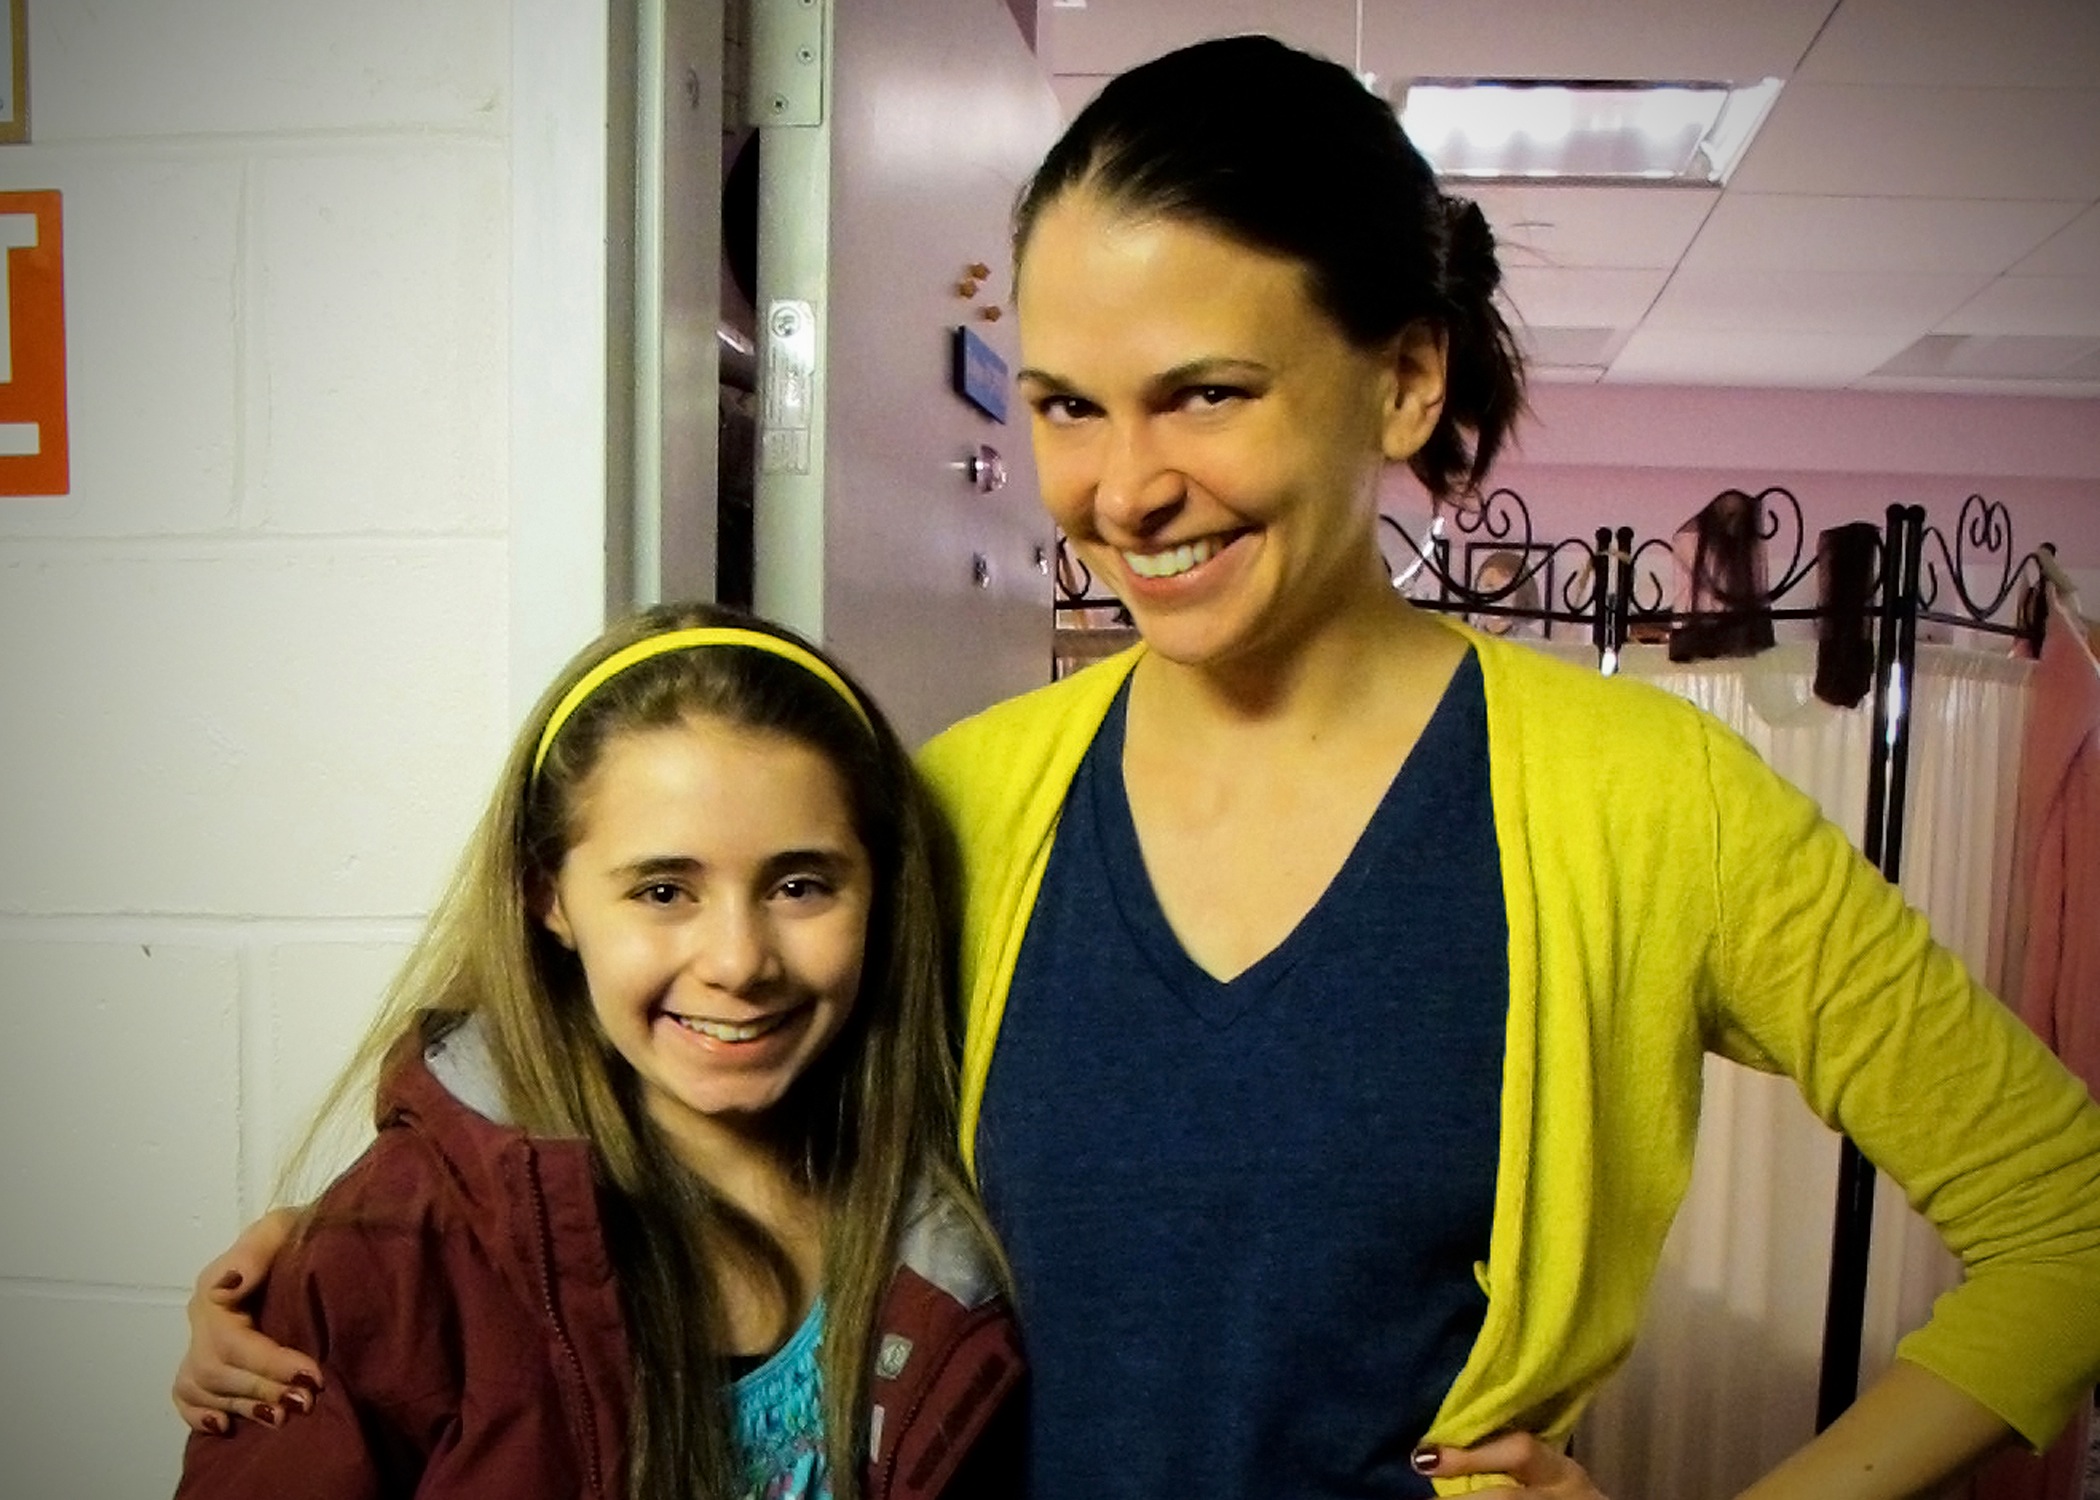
(1416, 362)
(546, 907)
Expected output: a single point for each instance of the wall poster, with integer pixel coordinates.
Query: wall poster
(33, 451)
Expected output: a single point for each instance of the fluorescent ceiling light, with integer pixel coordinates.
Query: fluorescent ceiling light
(1612, 132)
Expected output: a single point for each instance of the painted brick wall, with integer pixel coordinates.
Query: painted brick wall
(254, 667)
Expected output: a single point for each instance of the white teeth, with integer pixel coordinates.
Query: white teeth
(723, 1031)
(1173, 563)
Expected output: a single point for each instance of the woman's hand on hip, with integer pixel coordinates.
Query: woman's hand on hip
(1535, 1469)
(230, 1370)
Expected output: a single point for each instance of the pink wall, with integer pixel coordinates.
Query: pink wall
(1649, 457)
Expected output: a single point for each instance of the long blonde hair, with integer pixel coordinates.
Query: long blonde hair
(872, 1117)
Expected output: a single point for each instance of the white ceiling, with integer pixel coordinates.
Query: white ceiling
(1920, 212)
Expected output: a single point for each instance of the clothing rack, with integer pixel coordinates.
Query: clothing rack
(1619, 587)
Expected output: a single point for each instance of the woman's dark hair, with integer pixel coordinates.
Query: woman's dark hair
(1288, 153)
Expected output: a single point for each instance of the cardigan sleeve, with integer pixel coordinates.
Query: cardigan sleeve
(1820, 970)
(364, 1292)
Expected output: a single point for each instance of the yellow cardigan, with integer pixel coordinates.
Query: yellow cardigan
(1667, 895)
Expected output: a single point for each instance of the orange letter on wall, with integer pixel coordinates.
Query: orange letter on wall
(32, 347)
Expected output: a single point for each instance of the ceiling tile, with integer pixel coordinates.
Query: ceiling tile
(1810, 301)
(1108, 36)
(1761, 232)
(1667, 39)
(1074, 91)
(1569, 298)
(1857, 141)
(1550, 348)
(1630, 227)
(1995, 356)
(1805, 360)
(1847, 234)
(2031, 305)
(2074, 252)
(1944, 43)
(1941, 385)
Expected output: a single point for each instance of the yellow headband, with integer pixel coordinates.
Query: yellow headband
(688, 640)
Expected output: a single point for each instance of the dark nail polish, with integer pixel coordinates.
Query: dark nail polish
(307, 1383)
(214, 1424)
(1424, 1459)
(227, 1282)
(269, 1416)
(299, 1401)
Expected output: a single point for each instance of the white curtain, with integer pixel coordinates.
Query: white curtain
(1722, 1384)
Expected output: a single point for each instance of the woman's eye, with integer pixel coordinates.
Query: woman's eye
(1210, 397)
(1063, 411)
(659, 893)
(803, 888)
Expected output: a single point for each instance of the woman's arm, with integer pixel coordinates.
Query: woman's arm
(230, 1369)
(368, 1291)
(1911, 1430)
(1821, 971)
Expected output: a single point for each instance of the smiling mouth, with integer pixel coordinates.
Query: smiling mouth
(1175, 561)
(734, 1031)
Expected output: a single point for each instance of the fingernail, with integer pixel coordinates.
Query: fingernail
(299, 1401)
(307, 1383)
(227, 1282)
(1425, 1458)
(214, 1424)
(269, 1416)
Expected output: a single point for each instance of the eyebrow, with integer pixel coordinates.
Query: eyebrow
(1208, 370)
(828, 861)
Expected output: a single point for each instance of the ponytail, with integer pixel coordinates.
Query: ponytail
(1483, 367)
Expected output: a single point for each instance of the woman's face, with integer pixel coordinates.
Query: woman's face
(718, 899)
(1205, 434)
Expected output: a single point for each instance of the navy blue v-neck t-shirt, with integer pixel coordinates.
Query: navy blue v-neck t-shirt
(1244, 1215)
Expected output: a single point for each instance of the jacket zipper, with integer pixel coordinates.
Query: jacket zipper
(972, 1321)
(545, 1225)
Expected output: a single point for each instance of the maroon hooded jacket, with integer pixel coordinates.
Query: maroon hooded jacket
(454, 1286)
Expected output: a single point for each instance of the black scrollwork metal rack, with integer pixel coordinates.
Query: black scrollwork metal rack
(1619, 588)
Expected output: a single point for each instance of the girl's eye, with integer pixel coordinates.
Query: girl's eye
(660, 893)
(803, 888)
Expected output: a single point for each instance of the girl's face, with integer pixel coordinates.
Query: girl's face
(718, 898)
(1205, 434)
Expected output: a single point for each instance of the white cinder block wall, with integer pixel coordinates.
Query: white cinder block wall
(253, 670)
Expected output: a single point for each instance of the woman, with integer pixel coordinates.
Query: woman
(1337, 979)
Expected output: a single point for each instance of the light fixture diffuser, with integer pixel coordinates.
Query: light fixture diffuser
(1584, 130)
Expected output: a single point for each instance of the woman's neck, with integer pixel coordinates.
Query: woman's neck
(1321, 676)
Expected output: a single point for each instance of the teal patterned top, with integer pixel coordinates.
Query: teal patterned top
(779, 1420)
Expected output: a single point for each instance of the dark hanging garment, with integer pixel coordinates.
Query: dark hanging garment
(1724, 610)
(1844, 629)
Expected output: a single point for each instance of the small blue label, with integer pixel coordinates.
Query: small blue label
(980, 375)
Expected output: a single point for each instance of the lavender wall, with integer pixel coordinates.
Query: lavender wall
(1648, 457)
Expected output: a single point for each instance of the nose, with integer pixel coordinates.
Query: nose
(732, 949)
(1137, 490)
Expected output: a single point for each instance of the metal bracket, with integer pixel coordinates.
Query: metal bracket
(787, 62)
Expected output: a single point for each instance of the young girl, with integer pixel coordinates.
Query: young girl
(663, 1201)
